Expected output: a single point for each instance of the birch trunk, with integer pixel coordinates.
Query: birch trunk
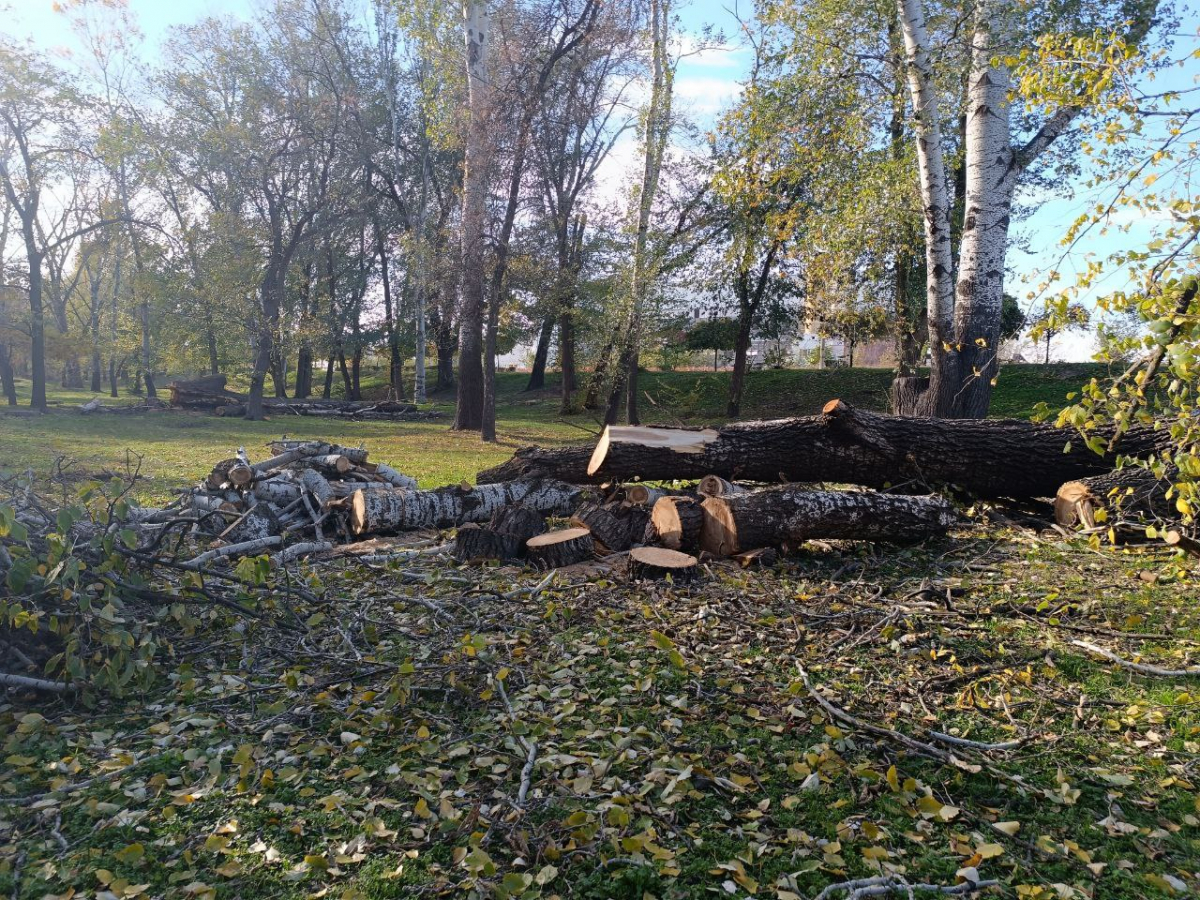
(991, 176)
(935, 201)
(476, 166)
(378, 511)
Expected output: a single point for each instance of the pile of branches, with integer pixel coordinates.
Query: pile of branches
(210, 393)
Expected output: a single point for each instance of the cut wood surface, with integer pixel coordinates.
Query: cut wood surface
(676, 522)
(565, 547)
(987, 458)
(716, 486)
(658, 563)
(644, 495)
(1131, 493)
(789, 515)
(378, 512)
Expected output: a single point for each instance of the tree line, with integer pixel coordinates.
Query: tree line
(333, 181)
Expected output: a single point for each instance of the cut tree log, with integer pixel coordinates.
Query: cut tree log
(567, 464)
(716, 486)
(556, 549)
(1131, 493)
(643, 495)
(986, 457)
(518, 520)
(789, 515)
(676, 523)
(380, 512)
(657, 563)
(473, 542)
(615, 527)
(258, 522)
(394, 478)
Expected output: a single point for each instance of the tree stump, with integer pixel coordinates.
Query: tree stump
(473, 542)
(657, 563)
(560, 548)
(677, 522)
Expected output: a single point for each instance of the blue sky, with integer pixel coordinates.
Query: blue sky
(706, 83)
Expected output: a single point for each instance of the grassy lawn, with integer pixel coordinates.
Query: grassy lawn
(179, 447)
(676, 752)
(417, 728)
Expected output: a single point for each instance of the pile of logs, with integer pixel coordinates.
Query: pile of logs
(210, 393)
(308, 496)
(744, 491)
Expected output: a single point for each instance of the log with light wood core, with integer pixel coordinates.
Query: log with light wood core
(657, 563)
(555, 549)
(716, 486)
(985, 457)
(1131, 493)
(789, 515)
(676, 522)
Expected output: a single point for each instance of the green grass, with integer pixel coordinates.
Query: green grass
(179, 447)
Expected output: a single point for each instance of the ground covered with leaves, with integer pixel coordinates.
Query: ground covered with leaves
(398, 726)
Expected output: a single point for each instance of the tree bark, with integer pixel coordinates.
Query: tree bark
(537, 374)
(935, 200)
(382, 511)
(789, 515)
(987, 458)
(7, 377)
(560, 548)
(476, 169)
(1132, 493)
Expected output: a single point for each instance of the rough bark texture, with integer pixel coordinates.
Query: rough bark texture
(518, 520)
(567, 464)
(788, 515)
(560, 548)
(1131, 493)
(614, 526)
(655, 563)
(473, 542)
(987, 458)
(677, 522)
(375, 511)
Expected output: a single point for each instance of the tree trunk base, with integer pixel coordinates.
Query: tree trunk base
(556, 549)
(657, 564)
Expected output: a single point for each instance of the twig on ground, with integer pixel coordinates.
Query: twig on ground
(1140, 668)
(975, 745)
(887, 884)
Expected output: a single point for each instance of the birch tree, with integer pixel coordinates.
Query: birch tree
(964, 304)
(477, 163)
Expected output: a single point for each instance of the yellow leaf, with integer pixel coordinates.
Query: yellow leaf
(1009, 828)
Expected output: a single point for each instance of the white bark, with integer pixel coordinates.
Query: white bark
(935, 190)
(394, 478)
(991, 175)
(400, 510)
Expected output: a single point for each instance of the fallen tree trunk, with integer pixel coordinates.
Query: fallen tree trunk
(567, 464)
(1132, 493)
(789, 515)
(985, 457)
(382, 511)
